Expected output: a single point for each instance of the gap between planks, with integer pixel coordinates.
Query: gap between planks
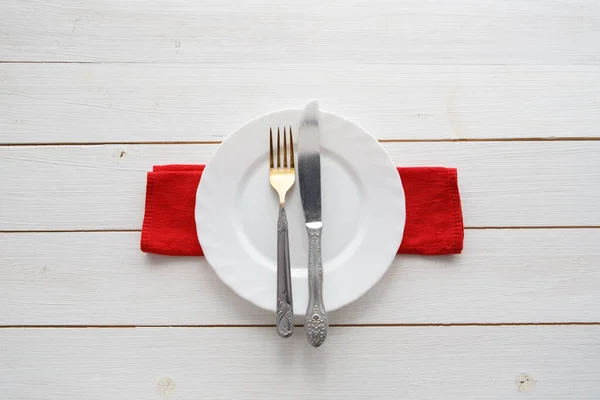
(139, 230)
(408, 325)
(365, 63)
(515, 139)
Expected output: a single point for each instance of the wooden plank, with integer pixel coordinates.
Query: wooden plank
(48, 103)
(102, 278)
(103, 187)
(487, 363)
(374, 32)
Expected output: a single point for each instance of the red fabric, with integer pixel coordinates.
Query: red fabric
(434, 224)
(169, 223)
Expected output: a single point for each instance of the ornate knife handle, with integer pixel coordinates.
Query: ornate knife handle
(285, 309)
(316, 324)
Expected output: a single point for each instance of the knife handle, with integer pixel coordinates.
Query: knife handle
(285, 309)
(315, 324)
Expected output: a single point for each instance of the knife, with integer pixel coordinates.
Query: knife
(309, 177)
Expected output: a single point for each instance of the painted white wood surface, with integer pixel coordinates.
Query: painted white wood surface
(313, 31)
(487, 363)
(102, 278)
(49, 103)
(103, 187)
(179, 71)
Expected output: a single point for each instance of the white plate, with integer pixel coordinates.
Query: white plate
(363, 213)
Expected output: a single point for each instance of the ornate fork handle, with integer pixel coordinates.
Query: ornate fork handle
(285, 309)
(316, 324)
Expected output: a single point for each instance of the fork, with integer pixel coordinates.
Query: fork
(282, 178)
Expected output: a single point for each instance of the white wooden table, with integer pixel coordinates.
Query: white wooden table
(93, 93)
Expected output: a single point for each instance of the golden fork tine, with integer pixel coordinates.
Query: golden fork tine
(284, 148)
(291, 149)
(271, 145)
(278, 146)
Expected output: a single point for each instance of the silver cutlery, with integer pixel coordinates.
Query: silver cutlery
(282, 178)
(309, 176)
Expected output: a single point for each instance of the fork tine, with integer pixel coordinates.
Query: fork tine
(284, 148)
(271, 146)
(291, 149)
(278, 147)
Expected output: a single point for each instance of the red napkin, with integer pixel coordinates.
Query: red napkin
(434, 224)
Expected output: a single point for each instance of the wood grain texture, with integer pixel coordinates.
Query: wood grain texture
(503, 276)
(340, 32)
(487, 363)
(103, 187)
(104, 71)
(87, 103)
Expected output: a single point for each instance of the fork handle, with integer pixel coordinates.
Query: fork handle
(285, 309)
(316, 324)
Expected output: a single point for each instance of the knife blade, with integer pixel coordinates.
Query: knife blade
(309, 179)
